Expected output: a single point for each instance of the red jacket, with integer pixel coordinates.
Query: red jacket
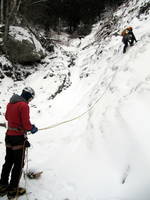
(17, 115)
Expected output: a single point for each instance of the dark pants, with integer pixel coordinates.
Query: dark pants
(14, 161)
(127, 39)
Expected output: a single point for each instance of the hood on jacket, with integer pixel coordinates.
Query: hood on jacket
(16, 98)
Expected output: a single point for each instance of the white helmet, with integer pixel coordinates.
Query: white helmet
(30, 91)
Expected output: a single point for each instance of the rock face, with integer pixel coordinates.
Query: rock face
(23, 47)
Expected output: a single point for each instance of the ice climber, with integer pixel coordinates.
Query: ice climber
(128, 37)
(18, 117)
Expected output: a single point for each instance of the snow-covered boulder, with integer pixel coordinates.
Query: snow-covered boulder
(23, 47)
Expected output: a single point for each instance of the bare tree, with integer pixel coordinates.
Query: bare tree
(11, 10)
(2, 12)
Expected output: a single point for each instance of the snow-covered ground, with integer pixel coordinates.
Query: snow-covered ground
(101, 151)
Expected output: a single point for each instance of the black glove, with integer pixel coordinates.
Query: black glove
(34, 129)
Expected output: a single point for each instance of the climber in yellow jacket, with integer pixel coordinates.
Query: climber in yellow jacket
(128, 37)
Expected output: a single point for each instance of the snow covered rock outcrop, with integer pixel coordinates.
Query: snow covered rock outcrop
(23, 47)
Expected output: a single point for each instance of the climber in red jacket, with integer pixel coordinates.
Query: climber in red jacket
(17, 115)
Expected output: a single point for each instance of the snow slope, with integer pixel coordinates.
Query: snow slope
(102, 152)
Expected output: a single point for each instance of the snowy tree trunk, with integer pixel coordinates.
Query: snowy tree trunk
(2, 12)
(6, 23)
(12, 8)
